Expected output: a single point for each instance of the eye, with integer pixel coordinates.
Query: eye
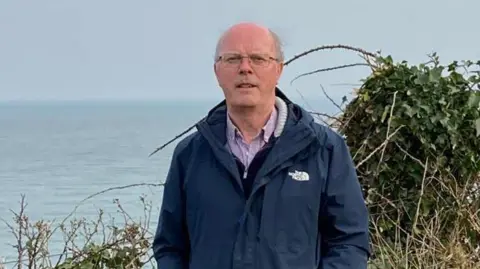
(232, 58)
(258, 59)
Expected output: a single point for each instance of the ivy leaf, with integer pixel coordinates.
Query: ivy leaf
(421, 79)
(426, 108)
(453, 89)
(474, 100)
(477, 126)
(435, 74)
(409, 110)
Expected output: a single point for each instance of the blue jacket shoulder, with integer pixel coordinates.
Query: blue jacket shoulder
(186, 146)
(328, 137)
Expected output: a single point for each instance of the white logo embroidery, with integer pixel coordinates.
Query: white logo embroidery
(299, 175)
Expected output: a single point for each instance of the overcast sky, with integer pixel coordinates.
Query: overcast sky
(163, 49)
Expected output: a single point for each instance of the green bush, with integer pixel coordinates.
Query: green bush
(414, 133)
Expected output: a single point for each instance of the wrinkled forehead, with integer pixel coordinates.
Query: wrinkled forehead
(252, 41)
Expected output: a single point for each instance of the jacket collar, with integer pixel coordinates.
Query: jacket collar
(293, 115)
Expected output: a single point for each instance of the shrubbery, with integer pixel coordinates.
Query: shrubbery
(414, 134)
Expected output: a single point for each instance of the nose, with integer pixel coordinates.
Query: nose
(245, 67)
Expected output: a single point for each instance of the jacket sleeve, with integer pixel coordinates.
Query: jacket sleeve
(171, 243)
(344, 216)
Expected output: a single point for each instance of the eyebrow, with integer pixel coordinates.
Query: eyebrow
(236, 52)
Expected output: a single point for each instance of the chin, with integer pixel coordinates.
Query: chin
(244, 101)
(244, 97)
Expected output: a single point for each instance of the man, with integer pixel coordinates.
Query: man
(260, 185)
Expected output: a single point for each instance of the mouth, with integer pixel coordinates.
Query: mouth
(245, 85)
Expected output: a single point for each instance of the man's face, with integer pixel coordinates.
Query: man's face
(247, 70)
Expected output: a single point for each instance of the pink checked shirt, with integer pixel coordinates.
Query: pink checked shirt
(245, 152)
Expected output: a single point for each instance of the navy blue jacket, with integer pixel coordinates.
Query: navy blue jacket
(286, 221)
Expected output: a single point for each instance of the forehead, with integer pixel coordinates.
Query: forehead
(247, 40)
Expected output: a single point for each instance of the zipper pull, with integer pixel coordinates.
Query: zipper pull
(245, 173)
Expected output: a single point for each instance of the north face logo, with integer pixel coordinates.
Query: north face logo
(299, 175)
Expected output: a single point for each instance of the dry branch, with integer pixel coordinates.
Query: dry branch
(327, 69)
(330, 47)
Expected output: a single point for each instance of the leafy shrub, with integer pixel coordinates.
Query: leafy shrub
(414, 133)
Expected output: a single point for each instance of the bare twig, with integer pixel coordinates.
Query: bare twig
(20, 232)
(388, 130)
(327, 69)
(330, 98)
(409, 155)
(304, 99)
(379, 147)
(104, 191)
(329, 47)
(70, 237)
(415, 220)
(21, 221)
(324, 115)
(173, 139)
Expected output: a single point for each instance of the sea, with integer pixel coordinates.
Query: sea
(75, 159)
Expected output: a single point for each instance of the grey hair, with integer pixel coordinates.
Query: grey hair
(276, 39)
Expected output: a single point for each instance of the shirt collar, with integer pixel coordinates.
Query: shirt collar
(267, 129)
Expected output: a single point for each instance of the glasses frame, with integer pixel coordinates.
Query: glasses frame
(268, 59)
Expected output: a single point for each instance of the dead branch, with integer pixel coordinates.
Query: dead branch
(330, 98)
(390, 119)
(327, 69)
(379, 147)
(324, 115)
(102, 192)
(173, 139)
(330, 47)
(21, 221)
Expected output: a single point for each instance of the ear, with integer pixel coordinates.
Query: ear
(280, 69)
(215, 69)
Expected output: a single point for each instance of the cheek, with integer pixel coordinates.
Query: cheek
(225, 79)
(268, 79)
